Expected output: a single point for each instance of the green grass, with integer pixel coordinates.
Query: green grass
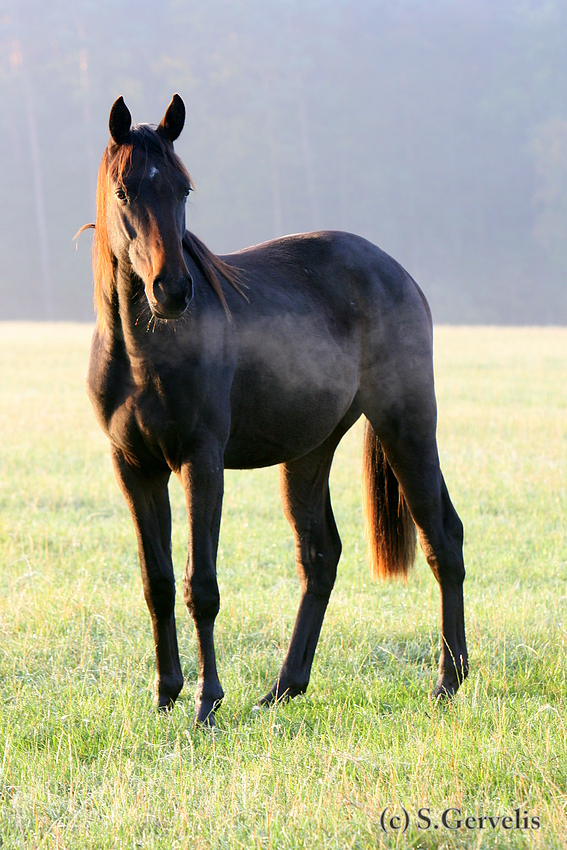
(85, 761)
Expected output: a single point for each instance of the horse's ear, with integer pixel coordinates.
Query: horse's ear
(120, 121)
(172, 122)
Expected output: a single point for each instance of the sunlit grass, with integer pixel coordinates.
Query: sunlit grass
(84, 760)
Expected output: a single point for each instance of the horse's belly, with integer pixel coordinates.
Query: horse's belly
(279, 425)
(294, 382)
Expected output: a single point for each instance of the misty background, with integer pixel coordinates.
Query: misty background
(435, 128)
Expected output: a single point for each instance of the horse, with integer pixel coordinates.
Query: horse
(265, 356)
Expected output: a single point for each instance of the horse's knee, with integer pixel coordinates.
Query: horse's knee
(451, 568)
(442, 544)
(452, 525)
(446, 562)
(201, 597)
(159, 593)
(317, 566)
(452, 556)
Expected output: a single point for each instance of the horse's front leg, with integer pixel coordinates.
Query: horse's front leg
(148, 499)
(203, 482)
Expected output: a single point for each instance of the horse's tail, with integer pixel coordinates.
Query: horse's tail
(389, 526)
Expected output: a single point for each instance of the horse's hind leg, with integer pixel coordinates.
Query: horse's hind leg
(409, 442)
(307, 505)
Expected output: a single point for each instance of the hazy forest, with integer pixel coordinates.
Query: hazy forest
(435, 128)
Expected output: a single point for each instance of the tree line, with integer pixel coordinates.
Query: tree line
(437, 130)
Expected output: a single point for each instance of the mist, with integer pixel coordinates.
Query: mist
(438, 130)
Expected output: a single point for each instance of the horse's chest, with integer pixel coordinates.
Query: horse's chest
(142, 426)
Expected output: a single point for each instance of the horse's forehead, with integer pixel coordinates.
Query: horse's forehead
(146, 165)
(145, 160)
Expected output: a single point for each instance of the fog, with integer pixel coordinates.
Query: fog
(435, 128)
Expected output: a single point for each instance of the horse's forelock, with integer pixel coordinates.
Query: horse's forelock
(143, 138)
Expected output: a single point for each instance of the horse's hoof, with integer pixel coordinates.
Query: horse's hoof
(168, 689)
(448, 684)
(165, 704)
(273, 697)
(281, 693)
(208, 723)
(166, 699)
(205, 712)
(442, 692)
(267, 700)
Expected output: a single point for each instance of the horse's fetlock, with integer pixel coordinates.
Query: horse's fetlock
(168, 689)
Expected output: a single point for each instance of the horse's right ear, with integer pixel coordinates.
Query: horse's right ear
(120, 121)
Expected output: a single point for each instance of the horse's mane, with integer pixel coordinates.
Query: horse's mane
(115, 164)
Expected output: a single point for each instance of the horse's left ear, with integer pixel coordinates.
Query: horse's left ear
(172, 122)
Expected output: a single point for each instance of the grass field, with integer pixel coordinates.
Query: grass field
(85, 761)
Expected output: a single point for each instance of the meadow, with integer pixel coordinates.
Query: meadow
(85, 761)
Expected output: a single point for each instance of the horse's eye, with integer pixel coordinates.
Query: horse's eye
(187, 192)
(121, 194)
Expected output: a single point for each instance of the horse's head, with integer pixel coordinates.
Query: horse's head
(141, 198)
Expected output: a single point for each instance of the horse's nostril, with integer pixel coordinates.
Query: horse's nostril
(159, 292)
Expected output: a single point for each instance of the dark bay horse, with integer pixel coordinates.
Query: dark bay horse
(266, 356)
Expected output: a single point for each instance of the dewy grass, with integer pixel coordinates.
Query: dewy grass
(84, 760)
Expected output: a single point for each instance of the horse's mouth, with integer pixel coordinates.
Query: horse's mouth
(168, 315)
(170, 309)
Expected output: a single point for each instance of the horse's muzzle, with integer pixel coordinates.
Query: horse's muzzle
(168, 298)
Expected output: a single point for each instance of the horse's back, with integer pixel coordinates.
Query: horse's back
(332, 273)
